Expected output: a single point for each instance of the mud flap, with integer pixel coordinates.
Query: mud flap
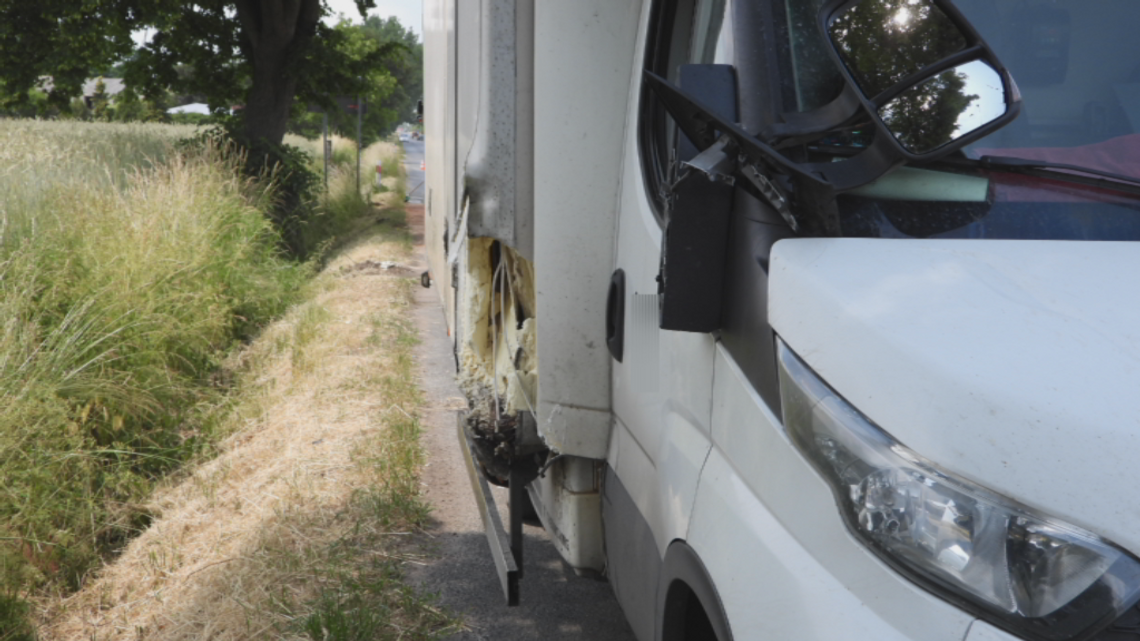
(506, 553)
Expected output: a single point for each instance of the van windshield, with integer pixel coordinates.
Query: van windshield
(1078, 70)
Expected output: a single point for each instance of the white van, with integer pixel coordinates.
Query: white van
(806, 319)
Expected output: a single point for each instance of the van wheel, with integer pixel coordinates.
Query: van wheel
(686, 619)
(688, 604)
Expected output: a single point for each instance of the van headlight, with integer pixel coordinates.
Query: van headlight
(1031, 574)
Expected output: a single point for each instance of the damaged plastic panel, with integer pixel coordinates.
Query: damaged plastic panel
(495, 308)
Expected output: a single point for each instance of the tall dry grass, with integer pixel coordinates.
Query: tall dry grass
(38, 158)
(339, 207)
(128, 267)
(300, 528)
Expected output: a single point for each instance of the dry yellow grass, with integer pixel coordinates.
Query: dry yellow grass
(237, 549)
(382, 151)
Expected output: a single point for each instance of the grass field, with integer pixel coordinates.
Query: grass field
(129, 269)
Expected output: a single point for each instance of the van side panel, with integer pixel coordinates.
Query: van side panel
(498, 167)
(583, 49)
(439, 142)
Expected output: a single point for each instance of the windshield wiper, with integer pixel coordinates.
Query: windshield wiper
(1088, 176)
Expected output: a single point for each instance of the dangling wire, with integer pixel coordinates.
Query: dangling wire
(495, 341)
(503, 276)
(507, 340)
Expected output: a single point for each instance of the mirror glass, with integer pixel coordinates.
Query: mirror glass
(883, 41)
(945, 107)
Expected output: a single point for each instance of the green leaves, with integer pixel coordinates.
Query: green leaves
(382, 62)
(61, 39)
(267, 56)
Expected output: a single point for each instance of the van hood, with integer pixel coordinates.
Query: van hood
(1015, 364)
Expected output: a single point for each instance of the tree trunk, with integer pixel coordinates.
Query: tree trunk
(270, 98)
(276, 31)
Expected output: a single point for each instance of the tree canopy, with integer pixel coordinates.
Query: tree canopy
(884, 42)
(390, 89)
(273, 57)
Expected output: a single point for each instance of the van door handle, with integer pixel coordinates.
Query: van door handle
(615, 315)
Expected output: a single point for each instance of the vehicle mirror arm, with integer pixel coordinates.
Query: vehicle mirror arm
(754, 160)
(718, 162)
(865, 167)
(764, 188)
(722, 162)
(701, 125)
(798, 128)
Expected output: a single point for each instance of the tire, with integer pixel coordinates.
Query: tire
(689, 608)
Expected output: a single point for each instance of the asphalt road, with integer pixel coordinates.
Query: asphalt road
(554, 602)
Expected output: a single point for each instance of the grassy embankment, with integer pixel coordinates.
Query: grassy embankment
(129, 270)
(299, 529)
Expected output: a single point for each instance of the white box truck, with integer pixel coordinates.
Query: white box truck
(807, 319)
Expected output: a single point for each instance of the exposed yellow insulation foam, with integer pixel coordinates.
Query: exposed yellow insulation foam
(474, 316)
(498, 334)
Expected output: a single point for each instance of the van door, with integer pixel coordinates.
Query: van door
(663, 384)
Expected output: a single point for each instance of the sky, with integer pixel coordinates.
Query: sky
(408, 12)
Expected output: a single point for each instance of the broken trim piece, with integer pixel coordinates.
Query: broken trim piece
(501, 552)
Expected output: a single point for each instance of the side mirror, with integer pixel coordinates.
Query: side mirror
(917, 68)
(930, 82)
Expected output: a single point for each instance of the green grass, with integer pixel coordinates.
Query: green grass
(128, 269)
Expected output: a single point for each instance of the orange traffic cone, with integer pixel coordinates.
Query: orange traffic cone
(423, 165)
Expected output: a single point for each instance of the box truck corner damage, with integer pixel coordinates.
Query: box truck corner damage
(522, 209)
(497, 350)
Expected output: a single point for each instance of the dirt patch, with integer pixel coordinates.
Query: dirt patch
(416, 222)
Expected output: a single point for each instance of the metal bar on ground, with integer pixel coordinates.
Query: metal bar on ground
(501, 552)
(518, 497)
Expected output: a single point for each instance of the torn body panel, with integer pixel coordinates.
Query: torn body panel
(497, 354)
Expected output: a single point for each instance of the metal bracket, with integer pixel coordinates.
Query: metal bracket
(506, 549)
(717, 162)
(770, 192)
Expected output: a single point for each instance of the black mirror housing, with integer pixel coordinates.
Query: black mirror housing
(690, 281)
(922, 72)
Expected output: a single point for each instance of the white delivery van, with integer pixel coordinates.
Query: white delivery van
(810, 319)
